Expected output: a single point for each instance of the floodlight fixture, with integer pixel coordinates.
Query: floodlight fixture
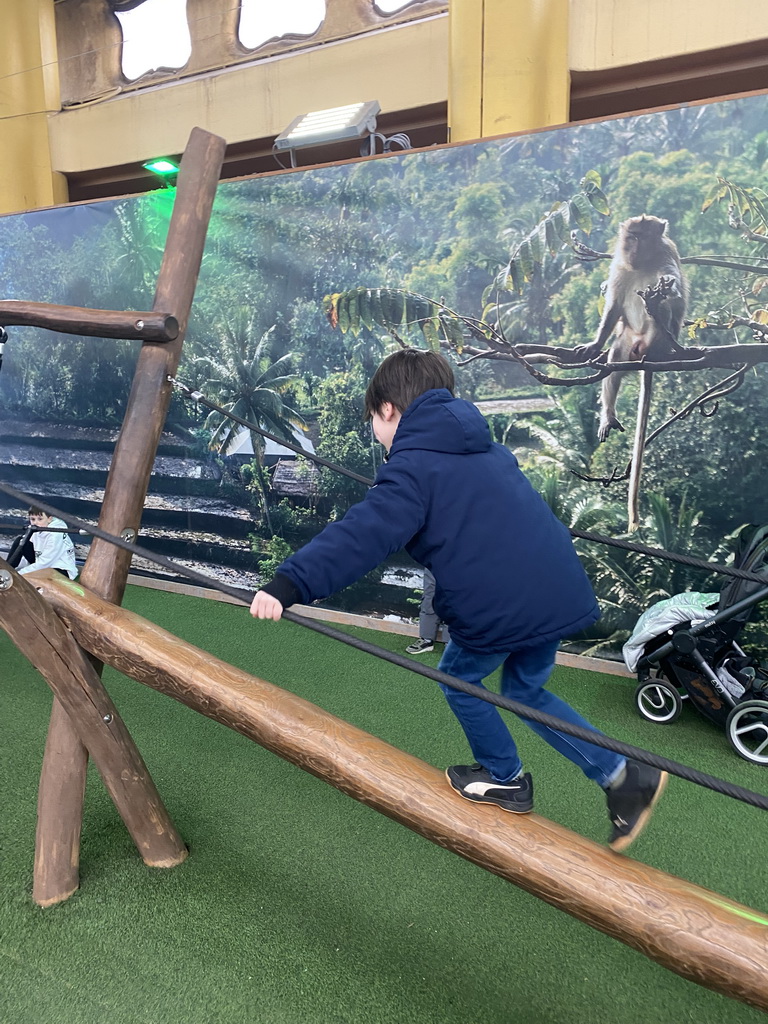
(165, 169)
(337, 124)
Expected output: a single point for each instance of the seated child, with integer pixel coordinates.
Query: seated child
(43, 549)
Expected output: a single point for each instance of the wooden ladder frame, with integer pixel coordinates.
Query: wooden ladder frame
(78, 691)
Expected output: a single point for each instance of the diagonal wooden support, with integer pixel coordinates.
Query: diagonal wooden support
(60, 806)
(106, 569)
(88, 720)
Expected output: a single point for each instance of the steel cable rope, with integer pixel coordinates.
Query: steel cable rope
(595, 738)
(697, 563)
(45, 529)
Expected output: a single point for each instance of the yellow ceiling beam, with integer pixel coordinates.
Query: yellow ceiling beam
(29, 92)
(508, 66)
(403, 67)
(617, 33)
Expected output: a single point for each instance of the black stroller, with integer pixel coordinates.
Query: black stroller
(696, 657)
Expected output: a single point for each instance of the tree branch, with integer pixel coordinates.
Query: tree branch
(585, 254)
(711, 394)
(728, 264)
(722, 356)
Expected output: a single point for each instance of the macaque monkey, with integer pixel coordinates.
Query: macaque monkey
(645, 263)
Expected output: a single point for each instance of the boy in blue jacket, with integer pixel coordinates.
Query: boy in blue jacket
(509, 583)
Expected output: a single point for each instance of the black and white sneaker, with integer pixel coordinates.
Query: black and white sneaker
(474, 782)
(631, 803)
(420, 646)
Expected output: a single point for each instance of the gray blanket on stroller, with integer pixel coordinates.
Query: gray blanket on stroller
(688, 607)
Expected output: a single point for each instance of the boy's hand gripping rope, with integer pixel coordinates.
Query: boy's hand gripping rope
(597, 739)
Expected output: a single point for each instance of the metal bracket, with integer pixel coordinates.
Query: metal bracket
(6, 580)
(128, 534)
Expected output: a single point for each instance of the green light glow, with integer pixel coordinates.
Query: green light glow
(161, 166)
(734, 908)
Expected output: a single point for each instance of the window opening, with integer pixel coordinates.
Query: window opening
(262, 20)
(155, 36)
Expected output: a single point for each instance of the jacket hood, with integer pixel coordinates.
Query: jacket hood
(438, 422)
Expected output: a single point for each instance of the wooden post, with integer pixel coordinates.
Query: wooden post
(645, 380)
(59, 811)
(85, 716)
(106, 567)
(701, 936)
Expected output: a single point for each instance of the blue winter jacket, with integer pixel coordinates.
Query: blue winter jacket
(507, 574)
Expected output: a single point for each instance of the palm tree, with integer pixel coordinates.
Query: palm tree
(628, 582)
(531, 317)
(250, 385)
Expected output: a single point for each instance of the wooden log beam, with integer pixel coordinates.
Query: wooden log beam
(60, 811)
(90, 715)
(106, 567)
(95, 323)
(703, 937)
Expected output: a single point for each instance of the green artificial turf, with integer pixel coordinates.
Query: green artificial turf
(298, 905)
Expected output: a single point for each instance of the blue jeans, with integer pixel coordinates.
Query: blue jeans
(523, 678)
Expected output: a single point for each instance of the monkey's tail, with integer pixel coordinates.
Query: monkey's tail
(638, 449)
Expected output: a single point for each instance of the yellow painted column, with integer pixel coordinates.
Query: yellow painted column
(29, 91)
(508, 67)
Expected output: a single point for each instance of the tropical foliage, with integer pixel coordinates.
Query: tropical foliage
(245, 381)
(308, 279)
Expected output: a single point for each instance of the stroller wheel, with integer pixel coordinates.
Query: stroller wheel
(747, 728)
(658, 702)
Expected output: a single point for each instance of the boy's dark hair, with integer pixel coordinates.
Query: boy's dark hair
(36, 512)
(405, 375)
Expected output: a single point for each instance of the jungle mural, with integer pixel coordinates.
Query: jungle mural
(602, 290)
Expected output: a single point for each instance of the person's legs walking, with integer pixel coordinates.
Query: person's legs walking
(498, 776)
(488, 736)
(632, 789)
(428, 621)
(524, 678)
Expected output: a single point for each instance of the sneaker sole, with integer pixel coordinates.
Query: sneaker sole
(623, 841)
(483, 800)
